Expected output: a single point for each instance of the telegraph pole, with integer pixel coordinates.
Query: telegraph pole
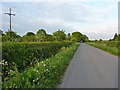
(10, 14)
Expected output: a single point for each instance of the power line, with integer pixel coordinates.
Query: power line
(10, 14)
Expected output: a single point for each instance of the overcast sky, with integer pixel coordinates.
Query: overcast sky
(94, 18)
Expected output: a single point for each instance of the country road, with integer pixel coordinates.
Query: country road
(91, 68)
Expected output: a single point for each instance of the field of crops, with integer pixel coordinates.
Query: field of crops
(19, 56)
(45, 73)
(109, 46)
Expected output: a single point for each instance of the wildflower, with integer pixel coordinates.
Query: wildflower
(47, 70)
(42, 61)
(6, 62)
(33, 80)
(11, 70)
(36, 70)
(44, 65)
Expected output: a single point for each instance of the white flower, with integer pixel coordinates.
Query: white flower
(11, 70)
(33, 80)
(6, 62)
(44, 65)
(47, 70)
(37, 71)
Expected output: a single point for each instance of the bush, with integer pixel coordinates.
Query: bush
(44, 74)
(24, 55)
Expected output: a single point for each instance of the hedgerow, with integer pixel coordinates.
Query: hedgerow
(44, 74)
(23, 55)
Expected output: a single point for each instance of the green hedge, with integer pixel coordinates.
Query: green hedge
(44, 74)
(23, 55)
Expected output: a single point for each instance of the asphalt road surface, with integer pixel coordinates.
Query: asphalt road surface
(91, 68)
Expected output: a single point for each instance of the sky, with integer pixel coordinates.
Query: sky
(98, 19)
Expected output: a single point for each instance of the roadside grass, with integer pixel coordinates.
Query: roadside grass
(44, 74)
(105, 47)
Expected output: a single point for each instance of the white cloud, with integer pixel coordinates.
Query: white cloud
(60, 0)
(95, 21)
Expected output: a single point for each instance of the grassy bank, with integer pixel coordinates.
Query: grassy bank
(103, 46)
(44, 74)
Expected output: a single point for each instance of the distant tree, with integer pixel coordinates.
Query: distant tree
(96, 40)
(1, 32)
(85, 38)
(59, 35)
(29, 37)
(49, 37)
(100, 40)
(110, 39)
(11, 36)
(30, 34)
(115, 37)
(68, 37)
(118, 37)
(76, 36)
(41, 35)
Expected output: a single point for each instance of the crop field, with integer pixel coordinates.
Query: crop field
(26, 62)
(109, 46)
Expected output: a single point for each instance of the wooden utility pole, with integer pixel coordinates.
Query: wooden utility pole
(10, 14)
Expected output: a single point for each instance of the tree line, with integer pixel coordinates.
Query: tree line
(41, 36)
(116, 37)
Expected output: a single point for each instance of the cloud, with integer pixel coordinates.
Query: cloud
(60, 0)
(94, 19)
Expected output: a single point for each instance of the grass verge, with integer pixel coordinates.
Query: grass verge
(45, 74)
(104, 47)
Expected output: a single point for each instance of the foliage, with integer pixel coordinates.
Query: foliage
(44, 74)
(84, 38)
(59, 35)
(109, 46)
(116, 37)
(26, 38)
(30, 34)
(23, 55)
(11, 36)
(40, 36)
(49, 37)
(68, 37)
(100, 40)
(76, 36)
(29, 37)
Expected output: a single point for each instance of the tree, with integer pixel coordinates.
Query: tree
(118, 37)
(96, 40)
(100, 40)
(1, 32)
(29, 37)
(115, 37)
(49, 37)
(30, 34)
(85, 38)
(68, 37)
(59, 35)
(41, 35)
(11, 36)
(110, 39)
(76, 36)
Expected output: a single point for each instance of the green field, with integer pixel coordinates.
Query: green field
(49, 61)
(108, 46)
